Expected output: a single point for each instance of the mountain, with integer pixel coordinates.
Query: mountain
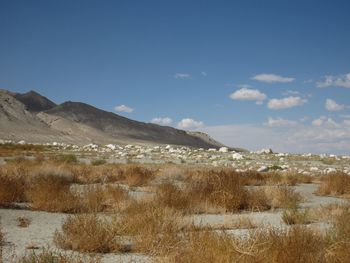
(34, 101)
(35, 118)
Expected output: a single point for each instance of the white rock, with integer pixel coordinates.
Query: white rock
(223, 149)
(263, 168)
(266, 151)
(237, 156)
(211, 150)
(22, 142)
(111, 146)
(330, 170)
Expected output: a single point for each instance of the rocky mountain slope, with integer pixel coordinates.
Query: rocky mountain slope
(35, 118)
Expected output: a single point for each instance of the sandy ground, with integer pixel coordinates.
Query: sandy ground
(40, 234)
(43, 225)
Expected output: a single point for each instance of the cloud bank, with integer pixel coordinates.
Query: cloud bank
(166, 121)
(272, 78)
(123, 108)
(335, 81)
(285, 103)
(248, 94)
(189, 124)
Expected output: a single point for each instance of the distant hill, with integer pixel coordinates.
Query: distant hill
(35, 118)
(34, 101)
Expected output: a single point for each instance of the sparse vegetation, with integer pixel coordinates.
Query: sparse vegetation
(23, 221)
(298, 244)
(66, 158)
(89, 233)
(11, 189)
(283, 196)
(294, 216)
(135, 175)
(47, 256)
(98, 162)
(49, 190)
(159, 224)
(156, 230)
(335, 184)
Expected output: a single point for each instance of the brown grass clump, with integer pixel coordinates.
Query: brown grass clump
(99, 198)
(23, 221)
(135, 175)
(298, 244)
(283, 196)
(257, 200)
(326, 213)
(339, 236)
(337, 183)
(47, 256)
(156, 230)
(219, 188)
(49, 190)
(169, 195)
(294, 216)
(11, 189)
(89, 233)
(9, 149)
(214, 191)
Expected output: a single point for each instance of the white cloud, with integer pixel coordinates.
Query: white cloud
(323, 121)
(123, 108)
(279, 122)
(204, 74)
(189, 124)
(288, 102)
(335, 81)
(182, 76)
(271, 78)
(248, 94)
(331, 105)
(162, 121)
(319, 121)
(298, 139)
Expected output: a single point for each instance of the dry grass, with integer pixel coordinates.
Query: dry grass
(219, 188)
(298, 244)
(294, 216)
(100, 198)
(49, 190)
(9, 149)
(336, 184)
(47, 256)
(326, 213)
(23, 221)
(283, 196)
(168, 195)
(11, 189)
(136, 175)
(339, 237)
(2, 239)
(156, 230)
(89, 233)
(241, 222)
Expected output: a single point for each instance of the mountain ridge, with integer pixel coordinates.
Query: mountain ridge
(33, 117)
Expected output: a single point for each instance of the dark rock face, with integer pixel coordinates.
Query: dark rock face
(34, 101)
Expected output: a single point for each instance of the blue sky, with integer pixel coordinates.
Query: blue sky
(250, 73)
